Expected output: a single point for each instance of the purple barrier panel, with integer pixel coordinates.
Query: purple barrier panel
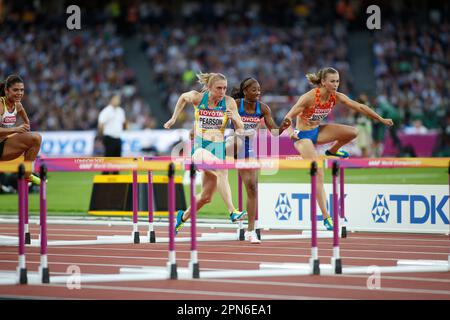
(285, 145)
(422, 144)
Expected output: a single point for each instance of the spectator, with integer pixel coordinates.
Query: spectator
(111, 123)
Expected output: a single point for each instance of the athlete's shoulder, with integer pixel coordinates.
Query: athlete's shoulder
(308, 98)
(341, 97)
(193, 96)
(230, 101)
(264, 107)
(19, 106)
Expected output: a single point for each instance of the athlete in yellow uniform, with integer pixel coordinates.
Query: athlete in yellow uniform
(213, 108)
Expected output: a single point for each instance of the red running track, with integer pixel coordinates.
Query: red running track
(359, 249)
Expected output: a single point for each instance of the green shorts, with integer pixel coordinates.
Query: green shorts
(216, 148)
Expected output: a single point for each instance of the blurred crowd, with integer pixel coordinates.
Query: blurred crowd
(264, 52)
(70, 76)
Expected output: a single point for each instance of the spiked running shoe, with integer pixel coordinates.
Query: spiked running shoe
(34, 179)
(340, 154)
(180, 222)
(237, 215)
(328, 223)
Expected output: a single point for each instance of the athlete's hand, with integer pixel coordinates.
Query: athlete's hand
(294, 135)
(169, 123)
(231, 115)
(387, 122)
(23, 128)
(285, 124)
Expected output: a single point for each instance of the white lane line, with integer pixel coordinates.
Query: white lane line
(208, 260)
(415, 279)
(203, 292)
(268, 248)
(331, 286)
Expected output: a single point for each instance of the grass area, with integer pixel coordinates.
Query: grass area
(69, 193)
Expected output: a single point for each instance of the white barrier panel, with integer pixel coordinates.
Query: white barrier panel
(368, 207)
(67, 143)
(82, 144)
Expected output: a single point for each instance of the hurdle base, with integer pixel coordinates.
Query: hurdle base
(172, 268)
(315, 266)
(344, 232)
(241, 234)
(44, 274)
(151, 236)
(194, 270)
(258, 233)
(23, 275)
(336, 265)
(27, 238)
(136, 237)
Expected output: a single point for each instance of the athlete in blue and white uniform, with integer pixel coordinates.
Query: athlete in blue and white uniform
(252, 111)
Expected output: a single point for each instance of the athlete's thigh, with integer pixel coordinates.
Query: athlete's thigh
(306, 149)
(15, 145)
(332, 131)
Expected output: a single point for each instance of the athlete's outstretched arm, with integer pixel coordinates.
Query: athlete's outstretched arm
(298, 107)
(187, 97)
(362, 108)
(270, 123)
(233, 114)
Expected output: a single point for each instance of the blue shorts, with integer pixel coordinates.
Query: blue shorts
(246, 151)
(216, 148)
(308, 134)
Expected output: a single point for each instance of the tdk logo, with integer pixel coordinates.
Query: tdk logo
(283, 208)
(418, 208)
(380, 209)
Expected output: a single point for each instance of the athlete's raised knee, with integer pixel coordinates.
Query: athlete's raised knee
(36, 139)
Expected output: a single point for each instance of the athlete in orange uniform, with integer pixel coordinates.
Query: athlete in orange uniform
(314, 106)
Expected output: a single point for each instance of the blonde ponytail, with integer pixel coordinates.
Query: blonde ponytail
(207, 79)
(316, 78)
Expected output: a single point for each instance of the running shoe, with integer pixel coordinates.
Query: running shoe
(34, 179)
(180, 222)
(328, 223)
(340, 154)
(237, 215)
(251, 236)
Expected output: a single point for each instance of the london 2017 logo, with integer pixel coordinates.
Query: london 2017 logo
(380, 209)
(283, 208)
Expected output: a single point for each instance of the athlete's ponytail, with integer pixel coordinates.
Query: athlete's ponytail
(208, 79)
(316, 78)
(238, 93)
(11, 80)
